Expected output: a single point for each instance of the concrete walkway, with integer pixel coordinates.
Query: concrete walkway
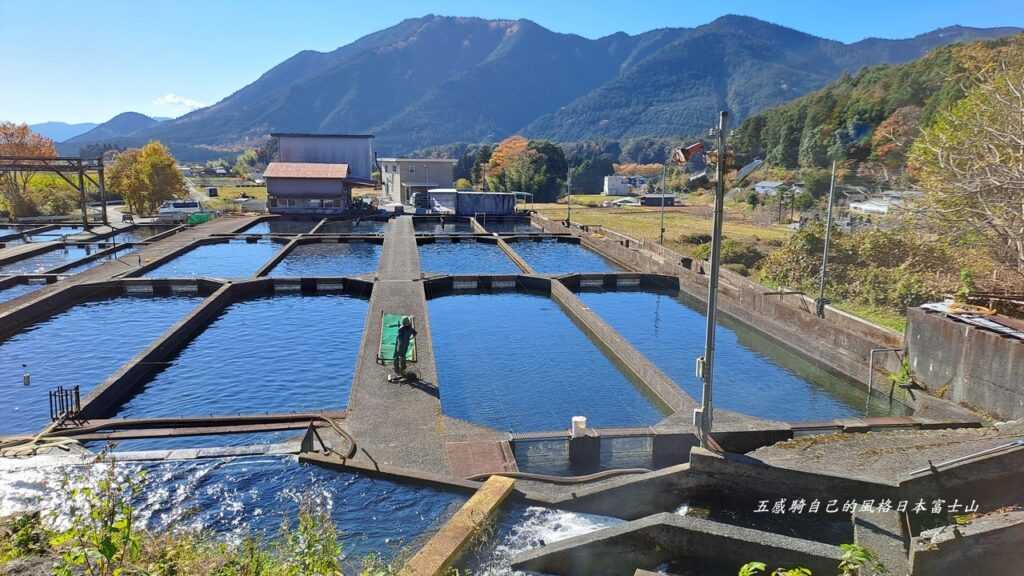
(397, 424)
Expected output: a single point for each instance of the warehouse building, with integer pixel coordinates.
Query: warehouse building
(314, 173)
(402, 177)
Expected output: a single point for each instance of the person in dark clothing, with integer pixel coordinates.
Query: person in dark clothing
(405, 335)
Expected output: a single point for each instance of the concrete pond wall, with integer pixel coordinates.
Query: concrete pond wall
(839, 340)
(967, 364)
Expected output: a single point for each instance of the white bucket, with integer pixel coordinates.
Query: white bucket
(579, 426)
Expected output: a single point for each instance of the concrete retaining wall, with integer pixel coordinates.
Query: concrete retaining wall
(989, 545)
(966, 364)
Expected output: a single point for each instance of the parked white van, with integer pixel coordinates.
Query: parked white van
(178, 210)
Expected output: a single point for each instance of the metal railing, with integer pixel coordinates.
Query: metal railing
(65, 403)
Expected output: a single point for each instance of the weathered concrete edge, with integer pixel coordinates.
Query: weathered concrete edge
(560, 557)
(444, 548)
(392, 472)
(660, 386)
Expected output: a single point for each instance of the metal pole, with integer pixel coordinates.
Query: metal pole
(103, 192)
(820, 302)
(81, 190)
(664, 189)
(706, 363)
(568, 190)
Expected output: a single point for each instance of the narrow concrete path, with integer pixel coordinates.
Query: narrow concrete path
(397, 424)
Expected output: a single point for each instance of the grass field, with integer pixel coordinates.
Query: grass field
(645, 222)
(226, 195)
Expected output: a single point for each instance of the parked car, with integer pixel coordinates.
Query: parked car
(178, 210)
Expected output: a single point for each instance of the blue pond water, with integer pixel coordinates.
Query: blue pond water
(516, 362)
(232, 259)
(281, 226)
(435, 227)
(56, 233)
(253, 496)
(342, 259)
(137, 234)
(352, 227)
(561, 257)
(49, 259)
(465, 258)
(511, 227)
(274, 354)
(80, 346)
(12, 292)
(754, 375)
(120, 255)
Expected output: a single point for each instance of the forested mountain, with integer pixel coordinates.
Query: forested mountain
(874, 114)
(437, 80)
(124, 124)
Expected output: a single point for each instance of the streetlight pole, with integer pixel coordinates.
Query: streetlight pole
(704, 415)
(664, 190)
(819, 304)
(568, 190)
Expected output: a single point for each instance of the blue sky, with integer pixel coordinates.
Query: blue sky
(84, 60)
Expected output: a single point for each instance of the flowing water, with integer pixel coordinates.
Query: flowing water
(754, 374)
(237, 497)
(465, 258)
(329, 259)
(561, 257)
(79, 346)
(516, 362)
(234, 259)
(289, 353)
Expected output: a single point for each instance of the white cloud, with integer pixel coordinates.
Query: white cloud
(177, 102)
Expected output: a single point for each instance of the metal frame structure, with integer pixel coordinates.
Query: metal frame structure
(63, 166)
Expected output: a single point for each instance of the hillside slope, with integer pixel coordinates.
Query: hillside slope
(438, 80)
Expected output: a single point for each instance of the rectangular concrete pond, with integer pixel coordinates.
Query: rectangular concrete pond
(281, 226)
(57, 233)
(754, 374)
(289, 353)
(50, 259)
(137, 234)
(232, 259)
(352, 227)
(550, 257)
(465, 258)
(511, 227)
(329, 259)
(516, 362)
(80, 346)
(233, 498)
(439, 227)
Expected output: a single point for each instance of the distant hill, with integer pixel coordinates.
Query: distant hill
(873, 115)
(124, 124)
(60, 131)
(438, 80)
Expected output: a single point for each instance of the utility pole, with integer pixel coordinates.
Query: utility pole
(704, 415)
(568, 191)
(820, 303)
(664, 190)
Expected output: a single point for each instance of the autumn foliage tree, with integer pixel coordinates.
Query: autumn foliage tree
(146, 177)
(20, 140)
(970, 163)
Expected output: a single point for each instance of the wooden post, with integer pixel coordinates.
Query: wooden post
(103, 191)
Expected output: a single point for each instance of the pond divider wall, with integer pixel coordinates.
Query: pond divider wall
(26, 251)
(966, 364)
(112, 249)
(840, 341)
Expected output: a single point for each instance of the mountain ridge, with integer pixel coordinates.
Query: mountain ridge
(437, 80)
